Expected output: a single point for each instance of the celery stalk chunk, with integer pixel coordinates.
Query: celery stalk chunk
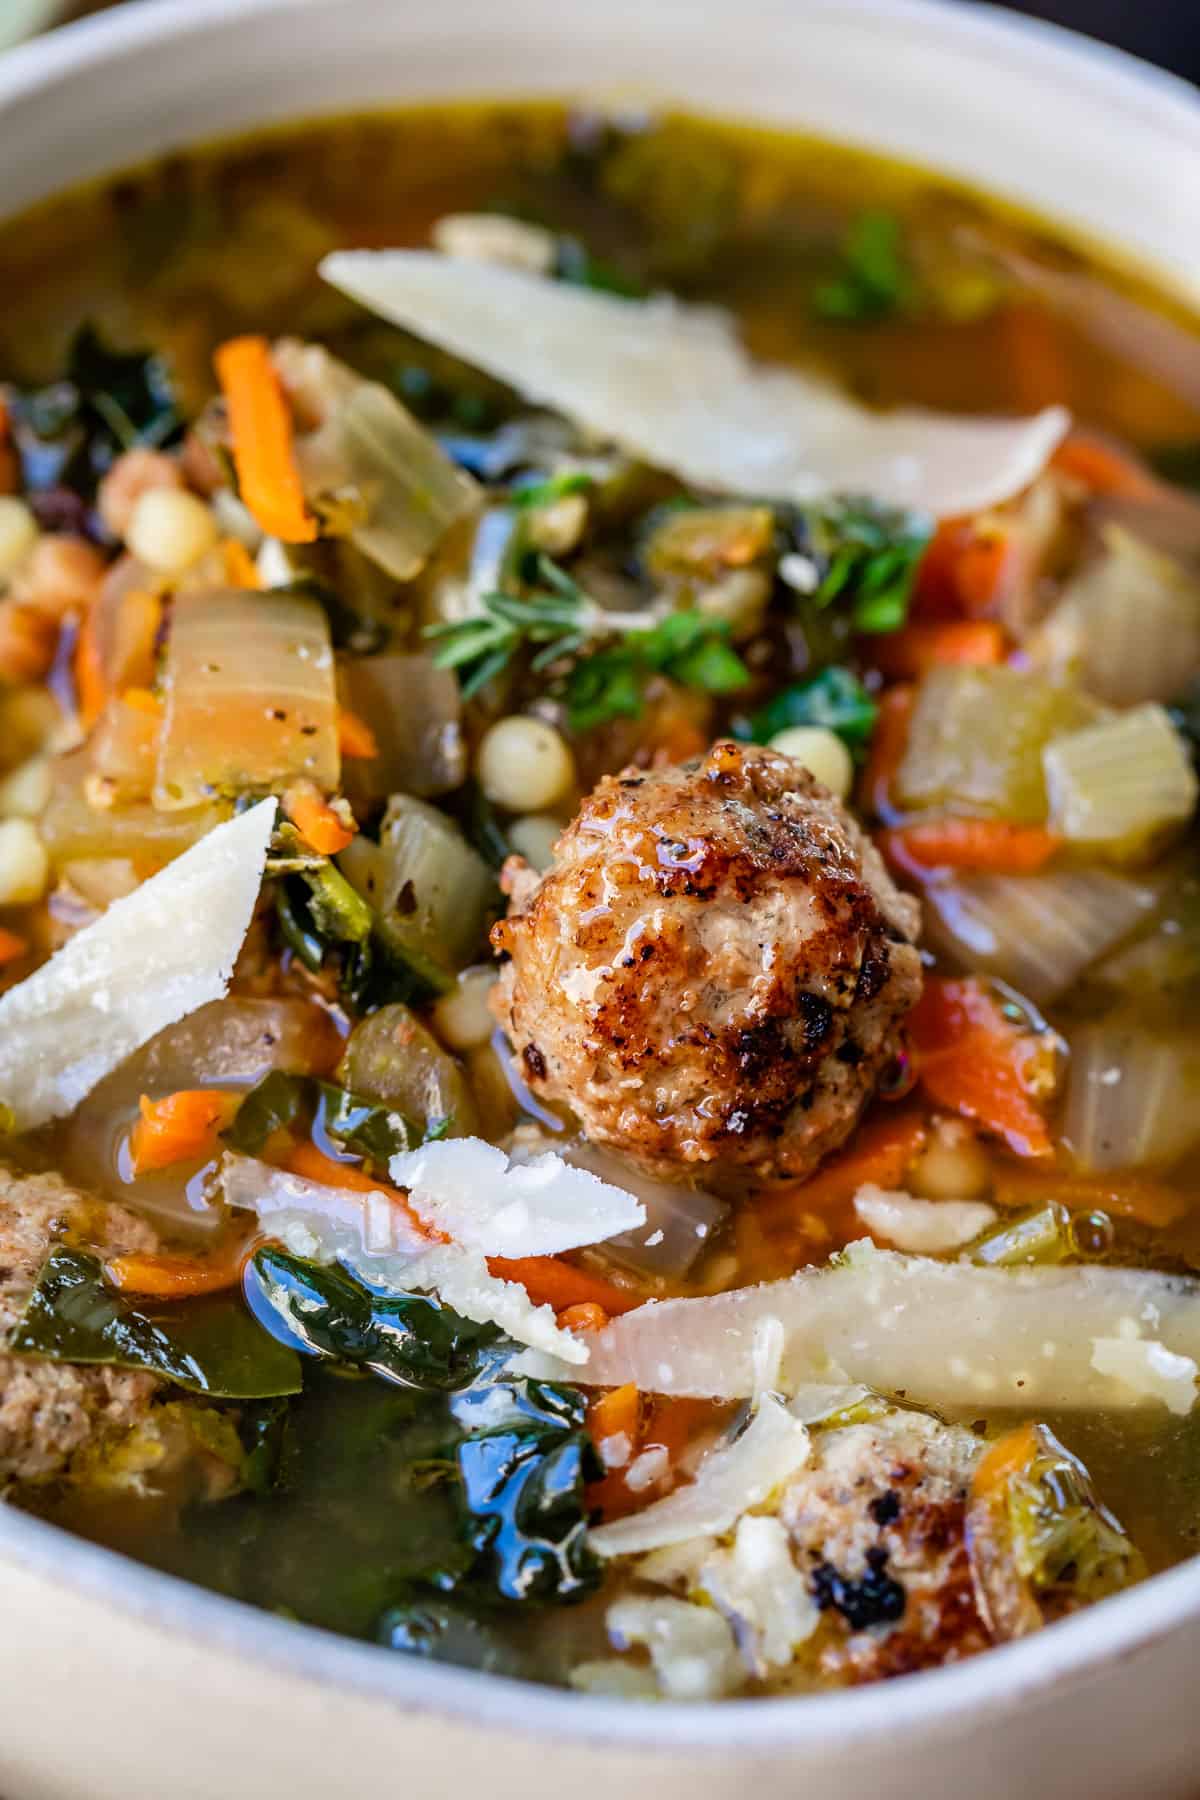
(1120, 786)
(976, 742)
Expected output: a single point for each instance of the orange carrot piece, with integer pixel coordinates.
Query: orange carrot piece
(1124, 1195)
(991, 846)
(306, 1160)
(180, 1127)
(616, 1414)
(924, 644)
(551, 1281)
(879, 1154)
(143, 700)
(888, 744)
(315, 819)
(260, 426)
(585, 1315)
(1104, 469)
(177, 1277)
(968, 569)
(355, 737)
(91, 685)
(241, 570)
(12, 946)
(972, 1060)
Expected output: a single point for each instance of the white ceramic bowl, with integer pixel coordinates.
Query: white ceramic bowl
(120, 1684)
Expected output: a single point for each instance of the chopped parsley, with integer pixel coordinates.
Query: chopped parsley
(873, 279)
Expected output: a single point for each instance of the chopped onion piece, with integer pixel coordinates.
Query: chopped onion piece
(155, 955)
(678, 1224)
(1127, 627)
(941, 1334)
(926, 1227)
(250, 701)
(729, 1481)
(415, 715)
(1038, 932)
(672, 384)
(1119, 786)
(370, 471)
(1131, 1096)
(470, 1190)
(434, 892)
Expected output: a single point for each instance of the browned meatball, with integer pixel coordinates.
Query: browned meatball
(713, 974)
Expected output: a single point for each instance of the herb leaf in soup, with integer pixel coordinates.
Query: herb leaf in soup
(407, 1338)
(835, 699)
(874, 280)
(210, 1346)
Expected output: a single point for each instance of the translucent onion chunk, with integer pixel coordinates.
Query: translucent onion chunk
(1120, 786)
(1038, 932)
(250, 700)
(1131, 1096)
(155, 955)
(1127, 627)
(672, 384)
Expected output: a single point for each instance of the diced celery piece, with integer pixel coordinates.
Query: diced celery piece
(390, 1057)
(1120, 786)
(432, 891)
(977, 738)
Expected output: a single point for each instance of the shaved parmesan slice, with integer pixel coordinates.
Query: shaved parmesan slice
(1147, 1368)
(673, 385)
(157, 954)
(692, 1650)
(471, 1191)
(728, 1482)
(941, 1334)
(924, 1226)
(375, 1239)
(757, 1588)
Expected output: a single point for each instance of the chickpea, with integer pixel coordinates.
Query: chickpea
(24, 865)
(18, 533)
(136, 473)
(462, 1018)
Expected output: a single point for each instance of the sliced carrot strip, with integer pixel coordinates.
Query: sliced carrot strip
(968, 569)
(142, 700)
(260, 426)
(355, 737)
(12, 946)
(879, 1154)
(1104, 469)
(179, 1127)
(241, 571)
(924, 644)
(992, 846)
(306, 1160)
(585, 1315)
(177, 1277)
(315, 819)
(1124, 1196)
(91, 685)
(550, 1281)
(888, 744)
(616, 1414)
(973, 1060)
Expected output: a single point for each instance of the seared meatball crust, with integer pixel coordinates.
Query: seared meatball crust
(714, 973)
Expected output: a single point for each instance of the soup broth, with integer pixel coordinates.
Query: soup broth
(1006, 700)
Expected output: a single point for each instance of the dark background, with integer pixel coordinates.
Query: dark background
(1164, 31)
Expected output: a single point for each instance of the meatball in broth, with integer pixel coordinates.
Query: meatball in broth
(714, 972)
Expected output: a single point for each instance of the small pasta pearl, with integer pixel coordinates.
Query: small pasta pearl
(822, 753)
(524, 765)
(169, 530)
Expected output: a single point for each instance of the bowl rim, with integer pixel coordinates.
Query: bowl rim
(945, 1700)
